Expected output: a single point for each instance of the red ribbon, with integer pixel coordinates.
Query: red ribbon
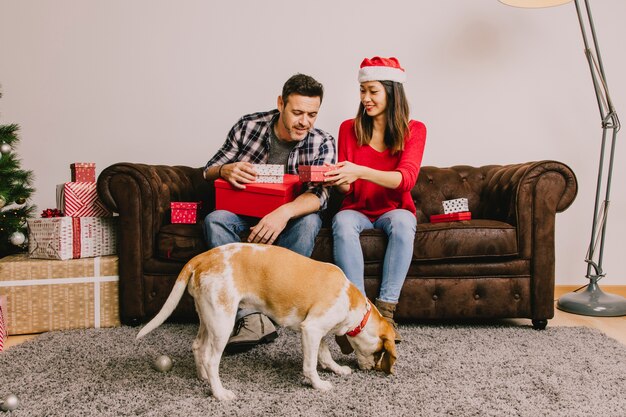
(75, 237)
(47, 213)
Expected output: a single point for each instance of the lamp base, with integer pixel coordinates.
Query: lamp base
(593, 302)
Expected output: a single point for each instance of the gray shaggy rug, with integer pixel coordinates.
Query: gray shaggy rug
(442, 370)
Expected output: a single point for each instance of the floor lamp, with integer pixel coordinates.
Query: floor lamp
(593, 301)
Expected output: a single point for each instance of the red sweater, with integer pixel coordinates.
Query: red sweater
(372, 199)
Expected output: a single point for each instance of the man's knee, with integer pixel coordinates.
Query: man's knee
(308, 225)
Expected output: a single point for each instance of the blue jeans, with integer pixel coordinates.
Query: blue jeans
(399, 225)
(222, 227)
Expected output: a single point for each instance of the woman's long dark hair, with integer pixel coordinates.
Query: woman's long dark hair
(397, 112)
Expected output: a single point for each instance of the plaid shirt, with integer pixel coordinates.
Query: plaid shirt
(249, 141)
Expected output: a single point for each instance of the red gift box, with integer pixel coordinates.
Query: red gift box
(256, 200)
(451, 217)
(313, 173)
(185, 213)
(83, 172)
(80, 199)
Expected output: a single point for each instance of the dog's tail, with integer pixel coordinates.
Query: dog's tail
(171, 302)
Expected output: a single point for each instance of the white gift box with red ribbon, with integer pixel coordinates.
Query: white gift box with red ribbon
(72, 237)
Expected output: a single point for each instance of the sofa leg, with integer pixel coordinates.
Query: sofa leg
(540, 324)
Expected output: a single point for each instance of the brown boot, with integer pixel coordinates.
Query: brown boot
(387, 310)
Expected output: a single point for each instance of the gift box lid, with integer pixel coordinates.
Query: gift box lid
(185, 205)
(289, 180)
(269, 169)
(83, 165)
(315, 168)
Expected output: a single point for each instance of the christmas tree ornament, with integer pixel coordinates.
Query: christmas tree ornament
(163, 363)
(9, 403)
(20, 200)
(3, 201)
(5, 148)
(17, 238)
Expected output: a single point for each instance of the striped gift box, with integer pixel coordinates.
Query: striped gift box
(3, 321)
(80, 199)
(72, 237)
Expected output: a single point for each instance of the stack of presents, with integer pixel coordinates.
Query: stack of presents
(68, 279)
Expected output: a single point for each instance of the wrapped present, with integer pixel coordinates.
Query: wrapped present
(313, 173)
(186, 213)
(3, 320)
(45, 295)
(72, 237)
(83, 172)
(455, 206)
(80, 199)
(269, 173)
(256, 200)
(451, 217)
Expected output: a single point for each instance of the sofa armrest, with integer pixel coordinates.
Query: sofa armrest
(528, 196)
(532, 194)
(141, 194)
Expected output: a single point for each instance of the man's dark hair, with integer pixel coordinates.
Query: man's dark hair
(303, 85)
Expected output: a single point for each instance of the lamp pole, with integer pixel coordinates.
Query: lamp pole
(593, 301)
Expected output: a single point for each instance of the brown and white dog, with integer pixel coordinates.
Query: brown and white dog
(297, 292)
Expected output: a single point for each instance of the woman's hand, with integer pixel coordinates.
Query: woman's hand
(347, 172)
(344, 174)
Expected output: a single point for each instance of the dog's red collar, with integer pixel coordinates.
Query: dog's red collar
(357, 329)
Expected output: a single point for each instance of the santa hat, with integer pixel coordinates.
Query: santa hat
(381, 69)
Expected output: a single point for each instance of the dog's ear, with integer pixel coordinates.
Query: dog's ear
(389, 356)
(344, 345)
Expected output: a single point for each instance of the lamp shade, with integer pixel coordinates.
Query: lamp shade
(527, 4)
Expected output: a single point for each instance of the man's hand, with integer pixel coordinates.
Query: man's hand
(238, 174)
(270, 226)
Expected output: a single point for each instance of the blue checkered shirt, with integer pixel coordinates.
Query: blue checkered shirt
(249, 141)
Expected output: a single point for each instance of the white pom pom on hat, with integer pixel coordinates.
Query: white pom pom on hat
(381, 69)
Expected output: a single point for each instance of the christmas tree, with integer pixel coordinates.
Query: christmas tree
(15, 190)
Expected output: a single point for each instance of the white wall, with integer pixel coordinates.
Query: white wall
(161, 81)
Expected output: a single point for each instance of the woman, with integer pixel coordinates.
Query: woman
(379, 154)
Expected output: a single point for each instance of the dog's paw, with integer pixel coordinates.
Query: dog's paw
(343, 370)
(224, 395)
(323, 385)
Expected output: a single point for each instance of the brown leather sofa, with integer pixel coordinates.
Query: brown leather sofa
(500, 264)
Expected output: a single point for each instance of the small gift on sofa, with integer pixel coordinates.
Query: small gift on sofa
(269, 173)
(313, 173)
(83, 172)
(457, 205)
(256, 200)
(454, 211)
(185, 212)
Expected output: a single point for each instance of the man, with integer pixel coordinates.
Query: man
(284, 136)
